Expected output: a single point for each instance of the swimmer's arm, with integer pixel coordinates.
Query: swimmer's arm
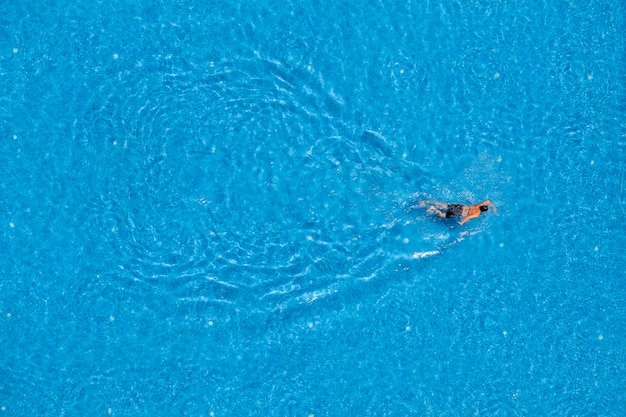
(488, 202)
(468, 218)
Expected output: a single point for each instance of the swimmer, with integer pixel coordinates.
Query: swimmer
(454, 210)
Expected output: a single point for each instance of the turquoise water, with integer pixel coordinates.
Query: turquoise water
(211, 209)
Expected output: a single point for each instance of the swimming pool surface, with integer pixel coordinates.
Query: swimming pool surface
(212, 208)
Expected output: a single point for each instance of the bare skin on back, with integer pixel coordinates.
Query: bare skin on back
(467, 212)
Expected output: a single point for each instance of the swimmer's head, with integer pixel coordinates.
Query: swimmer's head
(484, 208)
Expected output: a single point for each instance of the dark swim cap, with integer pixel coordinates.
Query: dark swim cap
(484, 208)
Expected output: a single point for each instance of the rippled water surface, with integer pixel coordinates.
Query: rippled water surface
(212, 209)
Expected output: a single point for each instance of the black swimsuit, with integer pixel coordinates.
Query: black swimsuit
(454, 210)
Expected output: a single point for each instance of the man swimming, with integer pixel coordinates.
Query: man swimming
(454, 210)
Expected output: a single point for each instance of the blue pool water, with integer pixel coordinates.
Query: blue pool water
(211, 208)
